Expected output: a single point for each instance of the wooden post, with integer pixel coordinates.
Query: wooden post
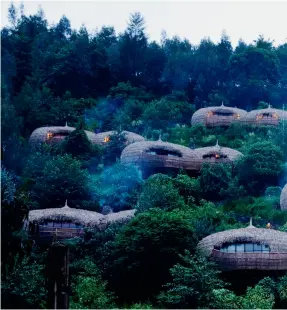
(58, 276)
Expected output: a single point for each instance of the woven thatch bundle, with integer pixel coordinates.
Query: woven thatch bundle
(217, 116)
(55, 134)
(277, 240)
(159, 154)
(83, 217)
(283, 198)
(267, 116)
(217, 154)
(103, 138)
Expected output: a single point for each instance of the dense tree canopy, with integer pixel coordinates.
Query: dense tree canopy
(99, 81)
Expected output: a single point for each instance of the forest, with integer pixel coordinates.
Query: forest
(100, 81)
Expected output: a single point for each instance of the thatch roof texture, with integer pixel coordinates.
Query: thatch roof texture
(83, 217)
(55, 134)
(267, 116)
(283, 198)
(276, 259)
(217, 154)
(159, 154)
(103, 138)
(277, 240)
(217, 116)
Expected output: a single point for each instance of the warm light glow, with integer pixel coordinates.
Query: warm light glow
(275, 115)
(106, 139)
(237, 116)
(217, 156)
(209, 114)
(259, 117)
(49, 135)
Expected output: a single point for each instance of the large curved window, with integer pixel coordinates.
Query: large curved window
(54, 224)
(245, 247)
(158, 151)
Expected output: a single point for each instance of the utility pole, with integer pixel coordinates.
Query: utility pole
(58, 276)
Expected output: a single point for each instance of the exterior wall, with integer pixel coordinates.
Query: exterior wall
(267, 121)
(220, 120)
(162, 161)
(283, 198)
(49, 233)
(245, 261)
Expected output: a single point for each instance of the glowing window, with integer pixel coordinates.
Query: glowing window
(49, 135)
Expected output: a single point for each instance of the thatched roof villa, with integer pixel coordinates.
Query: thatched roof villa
(68, 222)
(217, 116)
(55, 135)
(267, 116)
(103, 138)
(159, 156)
(217, 154)
(283, 198)
(247, 248)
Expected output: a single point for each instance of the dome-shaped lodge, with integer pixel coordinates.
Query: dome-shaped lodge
(283, 198)
(267, 116)
(159, 156)
(55, 135)
(68, 222)
(217, 154)
(247, 248)
(217, 116)
(103, 138)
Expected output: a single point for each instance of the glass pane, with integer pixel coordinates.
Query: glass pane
(65, 225)
(239, 247)
(223, 249)
(57, 224)
(257, 247)
(248, 247)
(265, 248)
(72, 225)
(231, 248)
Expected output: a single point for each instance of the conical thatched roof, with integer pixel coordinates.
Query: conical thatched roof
(217, 116)
(129, 136)
(160, 154)
(39, 135)
(225, 154)
(83, 217)
(283, 198)
(267, 116)
(277, 240)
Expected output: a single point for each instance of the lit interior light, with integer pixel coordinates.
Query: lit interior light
(106, 139)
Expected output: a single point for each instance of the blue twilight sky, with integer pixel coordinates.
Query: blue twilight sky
(193, 20)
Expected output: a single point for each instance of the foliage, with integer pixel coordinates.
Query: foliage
(262, 163)
(61, 178)
(115, 147)
(193, 281)
(159, 192)
(214, 179)
(144, 250)
(25, 286)
(100, 81)
(89, 290)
